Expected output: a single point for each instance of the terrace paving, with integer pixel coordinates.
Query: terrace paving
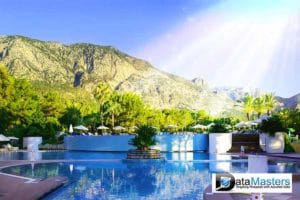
(18, 187)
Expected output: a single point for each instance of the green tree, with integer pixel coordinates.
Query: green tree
(259, 106)
(145, 138)
(113, 107)
(270, 102)
(152, 117)
(92, 120)
(52, 107)
(248, 106)
(71, 116)
(187, 118)
(172, 116)
(6, 92)
(6, 86)
(130, 107)
(25, 105)
(201, 117)
(102, 94)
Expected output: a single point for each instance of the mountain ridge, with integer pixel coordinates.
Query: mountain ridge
(292, 102)
(84, 65)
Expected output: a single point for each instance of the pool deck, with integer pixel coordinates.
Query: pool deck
(18, 187)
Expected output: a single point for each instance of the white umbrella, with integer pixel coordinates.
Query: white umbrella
(253, 123)
(245, 124)
(102, 128)
(71, 128)
(227, 126)
(60, 134)
(12, 138)
(210, 125)
(241, 124)
(262, 118)
(171, 126)
(199, 126)
(119, 128)
(3, 138)
(81, 127)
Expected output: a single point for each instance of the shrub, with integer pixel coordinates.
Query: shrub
(218, 128)
(272, 125)
(144, 138)
(288, 148)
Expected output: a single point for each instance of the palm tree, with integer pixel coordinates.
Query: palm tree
(113, 109)
(248, 105)
(259, 106)
(270, 102)
(102, 94)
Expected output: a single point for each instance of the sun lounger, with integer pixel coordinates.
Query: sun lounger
(11, 148)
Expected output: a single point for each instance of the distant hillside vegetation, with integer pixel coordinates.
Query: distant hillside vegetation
(85, 65)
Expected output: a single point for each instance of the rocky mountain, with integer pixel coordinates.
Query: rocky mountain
(292, 102)
(238, 93)
(85, 65)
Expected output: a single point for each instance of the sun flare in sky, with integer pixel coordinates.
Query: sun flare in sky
(249, 43)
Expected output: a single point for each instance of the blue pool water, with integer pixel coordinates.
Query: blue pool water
(107, 176)
(126, 180)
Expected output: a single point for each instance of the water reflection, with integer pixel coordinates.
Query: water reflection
(218, 163)
(131, 180)
(34, 155)
(257, 164)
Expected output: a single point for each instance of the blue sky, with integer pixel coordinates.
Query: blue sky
(249, 43)
(125, 24)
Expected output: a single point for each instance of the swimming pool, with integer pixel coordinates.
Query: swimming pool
(125, 180)
(108, 176)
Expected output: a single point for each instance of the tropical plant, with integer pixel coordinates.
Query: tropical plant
(218, 127)
(144, 138)
(102, 94)
(270, 102)
(113, 108)
(248, 104)
(288, 148)
(272, 125)
(259, 106)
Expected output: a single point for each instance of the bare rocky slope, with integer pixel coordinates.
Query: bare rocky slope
(292, 102)
(85, 65)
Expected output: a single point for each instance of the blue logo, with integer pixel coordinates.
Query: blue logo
(225, 182)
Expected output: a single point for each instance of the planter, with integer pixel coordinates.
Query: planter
(144, 154)
(296, 147)
(275, 144)
(32, 143)
(263, 140)
(220, 142)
